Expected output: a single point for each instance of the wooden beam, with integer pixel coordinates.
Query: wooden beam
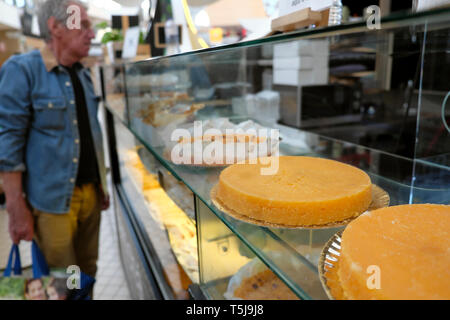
(296, 20)
(125, 24)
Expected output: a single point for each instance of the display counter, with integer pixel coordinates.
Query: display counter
(374, 99)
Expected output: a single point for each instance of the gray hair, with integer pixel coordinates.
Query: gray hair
(53, 8)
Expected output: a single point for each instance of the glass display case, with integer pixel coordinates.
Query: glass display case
(372, 98)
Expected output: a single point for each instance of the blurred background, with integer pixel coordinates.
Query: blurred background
(165, 26)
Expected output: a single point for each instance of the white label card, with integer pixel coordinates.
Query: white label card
(131, 43)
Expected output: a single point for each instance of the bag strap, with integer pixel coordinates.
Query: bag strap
(14, 254)
(40, 267)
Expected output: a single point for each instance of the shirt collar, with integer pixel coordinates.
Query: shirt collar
(50, 61)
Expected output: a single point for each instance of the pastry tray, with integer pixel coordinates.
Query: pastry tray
(328, 266)
(380, 199)
(254, 267)
(166, 156)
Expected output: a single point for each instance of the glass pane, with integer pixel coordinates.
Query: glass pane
(431, 170)
(114, 90)
(369, 98)
(226, 262)
(172, 233)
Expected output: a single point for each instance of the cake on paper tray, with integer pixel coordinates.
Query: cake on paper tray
(304, 191)
(395, 253)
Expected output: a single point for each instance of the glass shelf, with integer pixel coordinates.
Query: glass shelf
(394, 20)
(388, 124)
(303, 247)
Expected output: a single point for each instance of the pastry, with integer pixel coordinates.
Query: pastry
(163, 112)
(220, 142)
(264, 285)
(399, 252)
(305, 191)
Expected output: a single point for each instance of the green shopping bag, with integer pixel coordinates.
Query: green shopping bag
(42, 285)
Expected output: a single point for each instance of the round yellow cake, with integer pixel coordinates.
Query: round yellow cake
(305, 191)
(397, 253)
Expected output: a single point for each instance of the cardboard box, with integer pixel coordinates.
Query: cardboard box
(298, 63)
(299, 48)
(293, 49)
(321, 47)
(300, 77)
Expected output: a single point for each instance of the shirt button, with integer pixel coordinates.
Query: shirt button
(72, 102)
(68, 84)
(75, 122)
(75, 160)
(77, 141)
(72, 180)
(50, 105)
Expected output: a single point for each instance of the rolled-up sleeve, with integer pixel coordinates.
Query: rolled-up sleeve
(15, 105)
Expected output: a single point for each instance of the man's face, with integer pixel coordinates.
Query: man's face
(73, 37)
(36, 291)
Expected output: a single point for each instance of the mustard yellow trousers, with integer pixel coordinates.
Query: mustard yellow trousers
(72, 238)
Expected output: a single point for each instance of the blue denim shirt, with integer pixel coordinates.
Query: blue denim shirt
(39, 130)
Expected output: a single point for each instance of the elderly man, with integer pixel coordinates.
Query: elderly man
(51, 153)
